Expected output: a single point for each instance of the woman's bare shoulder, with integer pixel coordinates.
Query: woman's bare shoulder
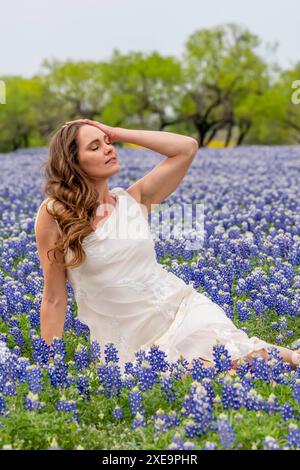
(44, 221)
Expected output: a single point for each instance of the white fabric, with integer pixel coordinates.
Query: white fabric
(127, 297)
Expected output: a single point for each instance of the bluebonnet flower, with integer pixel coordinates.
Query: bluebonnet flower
(40, 349)
(128, 368)
(22, 364)
(110, 378)
(167, 386)
(296, 390)
(164, 421)
(279, 338)
(176, 368)
(34, 318)
(173, 418)
(95, 351)
(160, 422)
(3, 379)
(225, 431)
(193, 429)
(9, 389)
(70, 380)
(128, 380)
(81, 357)
(246, 330)
(198, 405)
(58, 371)
(138, 421)
(118, 413)
(271, 405)
(222, 357)
(32, 402)
(206, 382)
(68, 406)
(233, 395)
(111, 353)
(261, 369)
(259, 307)
(287, 412)
(275, 325)
(269, 443)
(254, 401)
(59, 347)
(243, 367)
(209, 446)
(135, 401)
(156, 358)
(2, 405)
(188, 445)
(83, 385)
(9, 367)
(34, 378)
(176, 443)
(18, 337)
(293, 436)
(244, 314)
(146, 376)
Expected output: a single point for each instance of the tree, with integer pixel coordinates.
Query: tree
(18, 117)
(222, 71)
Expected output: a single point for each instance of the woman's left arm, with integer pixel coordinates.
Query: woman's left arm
(166, 143)
(165, 177)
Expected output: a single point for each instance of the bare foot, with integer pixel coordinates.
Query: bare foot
(287, 355)
(295, 359)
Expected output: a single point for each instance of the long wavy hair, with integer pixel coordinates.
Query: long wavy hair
(75, 198)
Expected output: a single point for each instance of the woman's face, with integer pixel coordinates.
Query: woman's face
(95, 151)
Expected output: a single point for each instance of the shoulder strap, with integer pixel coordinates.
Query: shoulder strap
(134, 201)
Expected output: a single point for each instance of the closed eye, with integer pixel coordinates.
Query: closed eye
(98, 146)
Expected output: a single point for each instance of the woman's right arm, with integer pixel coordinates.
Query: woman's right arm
(55, 297)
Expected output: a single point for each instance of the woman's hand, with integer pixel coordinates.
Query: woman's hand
(111, 132)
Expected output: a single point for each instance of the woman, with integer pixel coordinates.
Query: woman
(123, 294)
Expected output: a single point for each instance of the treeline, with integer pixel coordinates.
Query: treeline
(221, 88)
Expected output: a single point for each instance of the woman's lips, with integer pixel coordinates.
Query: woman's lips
(112, 160)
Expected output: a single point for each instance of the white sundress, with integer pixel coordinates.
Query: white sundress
(125, 296)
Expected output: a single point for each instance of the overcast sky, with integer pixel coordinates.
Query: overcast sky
(33, 30)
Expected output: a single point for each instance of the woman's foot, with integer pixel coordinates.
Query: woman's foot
(287, 355)
(295, 359)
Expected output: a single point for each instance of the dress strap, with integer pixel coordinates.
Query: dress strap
(143, 210)
(126, 193)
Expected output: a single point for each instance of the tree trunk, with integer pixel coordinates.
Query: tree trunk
(243, 132)
(228, 136)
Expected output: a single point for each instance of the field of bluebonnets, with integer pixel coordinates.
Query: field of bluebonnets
(78, 398)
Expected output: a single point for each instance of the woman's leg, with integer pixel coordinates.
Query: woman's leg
(285, 353)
